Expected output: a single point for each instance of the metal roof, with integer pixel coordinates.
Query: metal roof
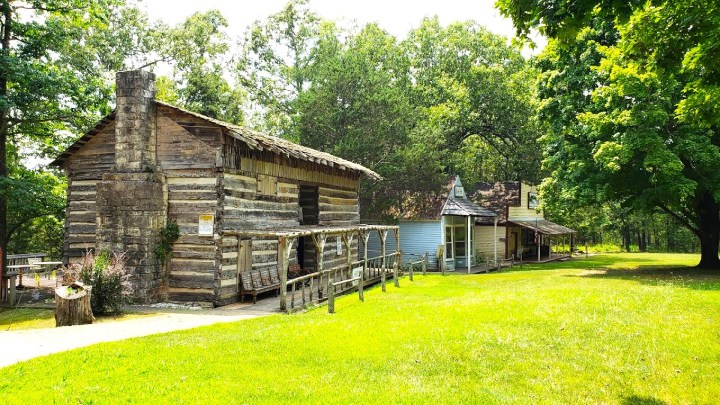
(465, 208)
(542, 225)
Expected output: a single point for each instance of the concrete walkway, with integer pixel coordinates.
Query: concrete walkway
(27, 344)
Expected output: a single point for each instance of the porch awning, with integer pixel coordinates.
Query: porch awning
(542, 225)
(465, 208)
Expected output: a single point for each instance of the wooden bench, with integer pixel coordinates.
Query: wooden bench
(256, 282)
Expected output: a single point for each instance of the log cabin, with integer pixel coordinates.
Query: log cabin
(149, 163)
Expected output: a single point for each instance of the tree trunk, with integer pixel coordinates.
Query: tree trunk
(72, 307)
(6, 36)
(708, 212)
(626, 237)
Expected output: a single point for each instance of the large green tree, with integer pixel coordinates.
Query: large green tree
(475, 93)
(273, 66)
(646, 109)
(52, 82)
(198, 50)
(355, 106)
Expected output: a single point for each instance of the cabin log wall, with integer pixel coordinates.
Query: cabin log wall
(85, 169)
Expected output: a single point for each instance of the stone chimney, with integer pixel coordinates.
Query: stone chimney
(135, 135)
(131, 200)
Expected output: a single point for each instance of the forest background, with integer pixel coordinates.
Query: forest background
(444, 100)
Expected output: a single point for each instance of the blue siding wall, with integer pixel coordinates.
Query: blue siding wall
(416, 238)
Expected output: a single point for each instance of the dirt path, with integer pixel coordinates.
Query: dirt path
(31, 343)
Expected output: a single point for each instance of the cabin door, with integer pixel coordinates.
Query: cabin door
(309, 210)
(244, 258)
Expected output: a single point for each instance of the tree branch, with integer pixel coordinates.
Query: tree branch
(682, 219)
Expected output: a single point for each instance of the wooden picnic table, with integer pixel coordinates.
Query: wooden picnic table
(20, 268)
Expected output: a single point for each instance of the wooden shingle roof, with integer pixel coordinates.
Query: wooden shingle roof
(253, 139)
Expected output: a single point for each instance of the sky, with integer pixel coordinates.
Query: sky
(395, 16)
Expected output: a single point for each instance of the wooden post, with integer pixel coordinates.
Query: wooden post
(398, 258)
(331, 296)
(396, 271)
(539, 245)
(283, 256)
(425, 263)
(383, 238)
(361, 283)
(319, 242)
(495, 240)
(410, 271)
(12, 290)
(441, 258)
(468, 248)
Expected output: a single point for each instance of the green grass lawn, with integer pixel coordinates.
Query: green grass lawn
(624, 328)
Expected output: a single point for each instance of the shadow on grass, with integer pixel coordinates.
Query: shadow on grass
(688, 277)
(636, 400)
(600, 260)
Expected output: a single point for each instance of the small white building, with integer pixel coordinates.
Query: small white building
(446, 220)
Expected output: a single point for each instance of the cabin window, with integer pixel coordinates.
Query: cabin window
(267, 185)
(533, 200)
(460, 239)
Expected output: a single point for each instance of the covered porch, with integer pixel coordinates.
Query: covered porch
(458, 222)
(539, 240)
(299, 289)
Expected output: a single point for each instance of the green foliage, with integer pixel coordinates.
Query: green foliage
(55, 65)
(105, 272)
(197, 48)
(168, 235)
(475, 94)
(448, 100)
(274, 65)
(609, 329)
(36, 202)
(621, 101)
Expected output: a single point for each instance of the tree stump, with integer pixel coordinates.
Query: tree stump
(72, 305)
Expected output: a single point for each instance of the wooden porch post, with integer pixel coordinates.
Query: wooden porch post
(383, 238)
(319, 242)
(398, 257)
(366, 238)
(283, 254)
(468, 248)
(347, 238)
(495, 243)
(540, 237)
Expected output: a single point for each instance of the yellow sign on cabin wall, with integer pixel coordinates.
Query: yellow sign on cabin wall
(206, 223)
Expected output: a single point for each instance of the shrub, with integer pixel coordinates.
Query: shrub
(105, 273)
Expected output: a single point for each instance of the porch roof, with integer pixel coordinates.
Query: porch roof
(465, 208)
(541, 225)
(310, 230)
